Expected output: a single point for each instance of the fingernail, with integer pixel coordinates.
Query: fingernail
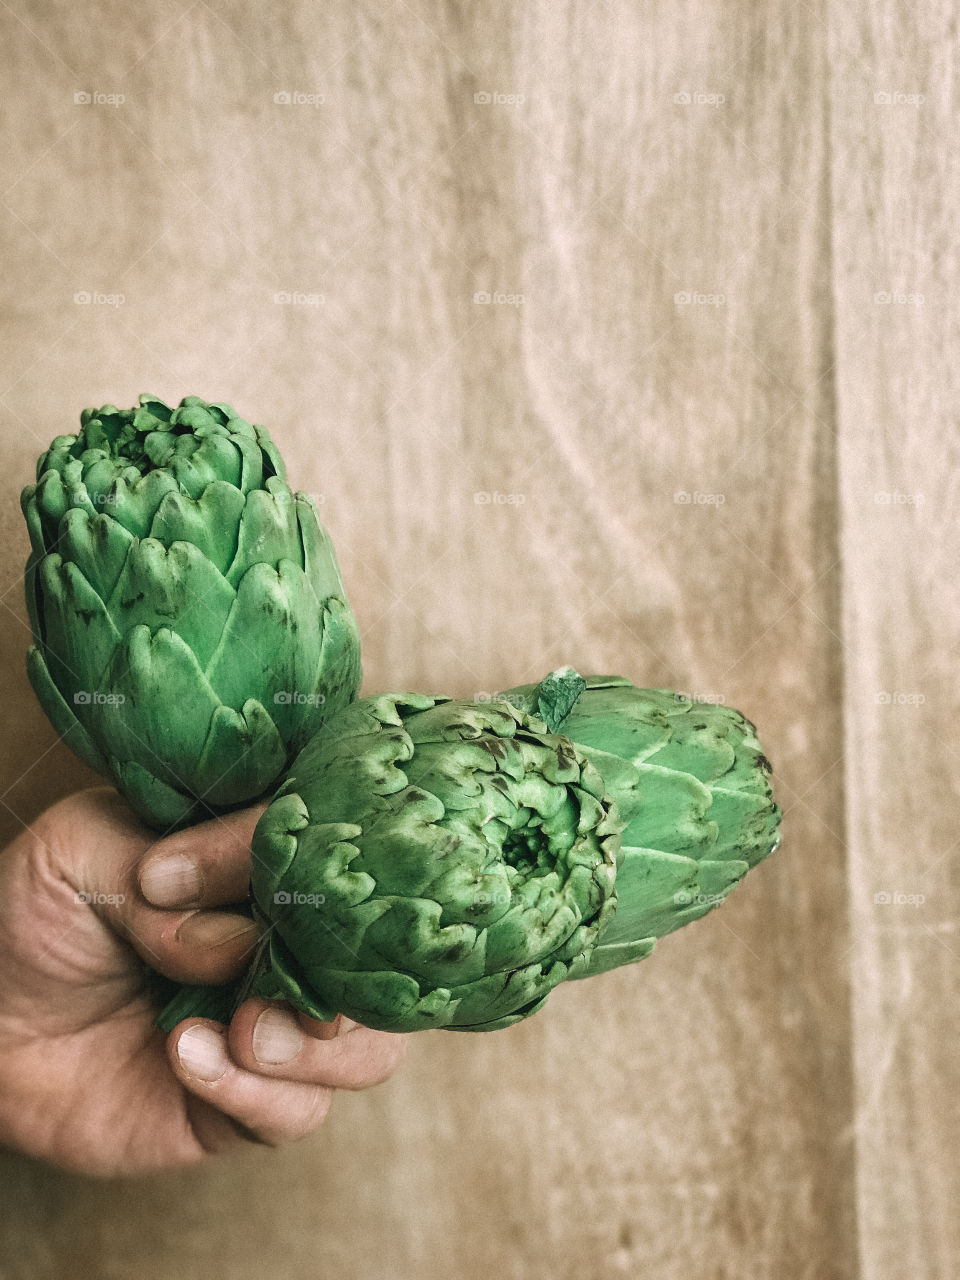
(203, 1052)
(276, 1037)
(214, 929)
(172, 881)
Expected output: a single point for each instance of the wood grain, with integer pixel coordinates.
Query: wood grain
(896, 281)
(728, 1108)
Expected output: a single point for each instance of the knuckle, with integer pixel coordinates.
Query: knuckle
(312, 1113)
(284, 1114)
(318, 1108)
(376, 1065)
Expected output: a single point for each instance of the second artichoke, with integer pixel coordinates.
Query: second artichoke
(706, 813)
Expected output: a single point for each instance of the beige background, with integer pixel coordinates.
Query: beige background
(774, 1093)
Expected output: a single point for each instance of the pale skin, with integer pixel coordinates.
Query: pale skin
(87, 1082)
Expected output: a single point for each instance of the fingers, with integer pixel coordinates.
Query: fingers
(168, 915)
(273, 1111)
(271, 1072)
(203, 866)
(190, 946)
(274, 1041)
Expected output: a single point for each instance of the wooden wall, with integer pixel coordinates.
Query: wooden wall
(773, 1094)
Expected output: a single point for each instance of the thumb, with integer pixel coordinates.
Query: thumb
(204, 866)
(208, 865)
(175, 895)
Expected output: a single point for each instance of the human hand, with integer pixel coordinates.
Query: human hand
(87, 1082)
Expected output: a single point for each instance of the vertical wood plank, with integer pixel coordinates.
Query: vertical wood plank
(897, 275)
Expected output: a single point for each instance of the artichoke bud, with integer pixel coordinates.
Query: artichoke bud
(189, 621)
(692, 785)
(433, 863)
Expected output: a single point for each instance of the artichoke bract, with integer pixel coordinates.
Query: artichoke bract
(432, 863)
(190, 625)
(706, 812)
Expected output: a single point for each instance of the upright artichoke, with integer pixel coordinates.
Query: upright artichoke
(706, 813)
(189, 621)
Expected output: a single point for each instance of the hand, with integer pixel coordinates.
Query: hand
(87, 1082)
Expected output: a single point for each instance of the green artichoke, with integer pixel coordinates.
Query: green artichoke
(707, 812)
(429, 863)
(189, 621)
